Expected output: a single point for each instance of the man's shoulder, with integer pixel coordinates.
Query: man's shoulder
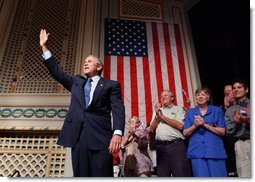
(111, 82)
(79, 77)
(230, 109)
(107, 80)
(247, 100)
(177, 107)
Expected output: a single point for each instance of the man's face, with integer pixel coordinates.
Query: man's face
(228, 91)
(229, 98)
(91, 66)
(239, 91)
(166, 99)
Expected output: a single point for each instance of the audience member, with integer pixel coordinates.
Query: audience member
(205, 126)
(237, 119)
(228, 141)
(228, 96)
(170, 145)
(136, 160)
(152, 153)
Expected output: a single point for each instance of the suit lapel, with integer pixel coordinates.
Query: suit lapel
(97, 92)
(80, 92)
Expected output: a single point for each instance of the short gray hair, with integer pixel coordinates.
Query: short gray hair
(170, 93)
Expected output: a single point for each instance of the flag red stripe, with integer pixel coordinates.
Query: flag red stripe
(133, 86)
(120, 73)
(169, 61)
(147, 89)
(107, 67)
(181, 63)
(157, 59)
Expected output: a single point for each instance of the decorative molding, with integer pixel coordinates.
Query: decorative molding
(33, 113)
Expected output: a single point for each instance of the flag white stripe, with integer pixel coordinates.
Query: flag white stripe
(127, 87)
(186, 64)
(154, 89)
(140, 90)
(113, 68)
(163, 57)
(177, 78)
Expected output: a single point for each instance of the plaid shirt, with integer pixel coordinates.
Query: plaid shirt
(241, 130)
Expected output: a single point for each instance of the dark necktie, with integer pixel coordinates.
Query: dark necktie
(87, 89)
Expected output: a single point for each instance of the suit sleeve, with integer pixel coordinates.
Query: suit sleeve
(58, 74)
(118, 110)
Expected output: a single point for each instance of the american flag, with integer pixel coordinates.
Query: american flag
(146, 58)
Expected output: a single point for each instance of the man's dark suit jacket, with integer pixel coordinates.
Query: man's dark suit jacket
(96, 119)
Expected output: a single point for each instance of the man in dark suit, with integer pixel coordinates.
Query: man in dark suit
(87, 128)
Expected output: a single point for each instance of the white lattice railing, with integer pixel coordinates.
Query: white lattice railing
(31, 156)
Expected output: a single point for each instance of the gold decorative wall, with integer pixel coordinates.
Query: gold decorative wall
(22, 70)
